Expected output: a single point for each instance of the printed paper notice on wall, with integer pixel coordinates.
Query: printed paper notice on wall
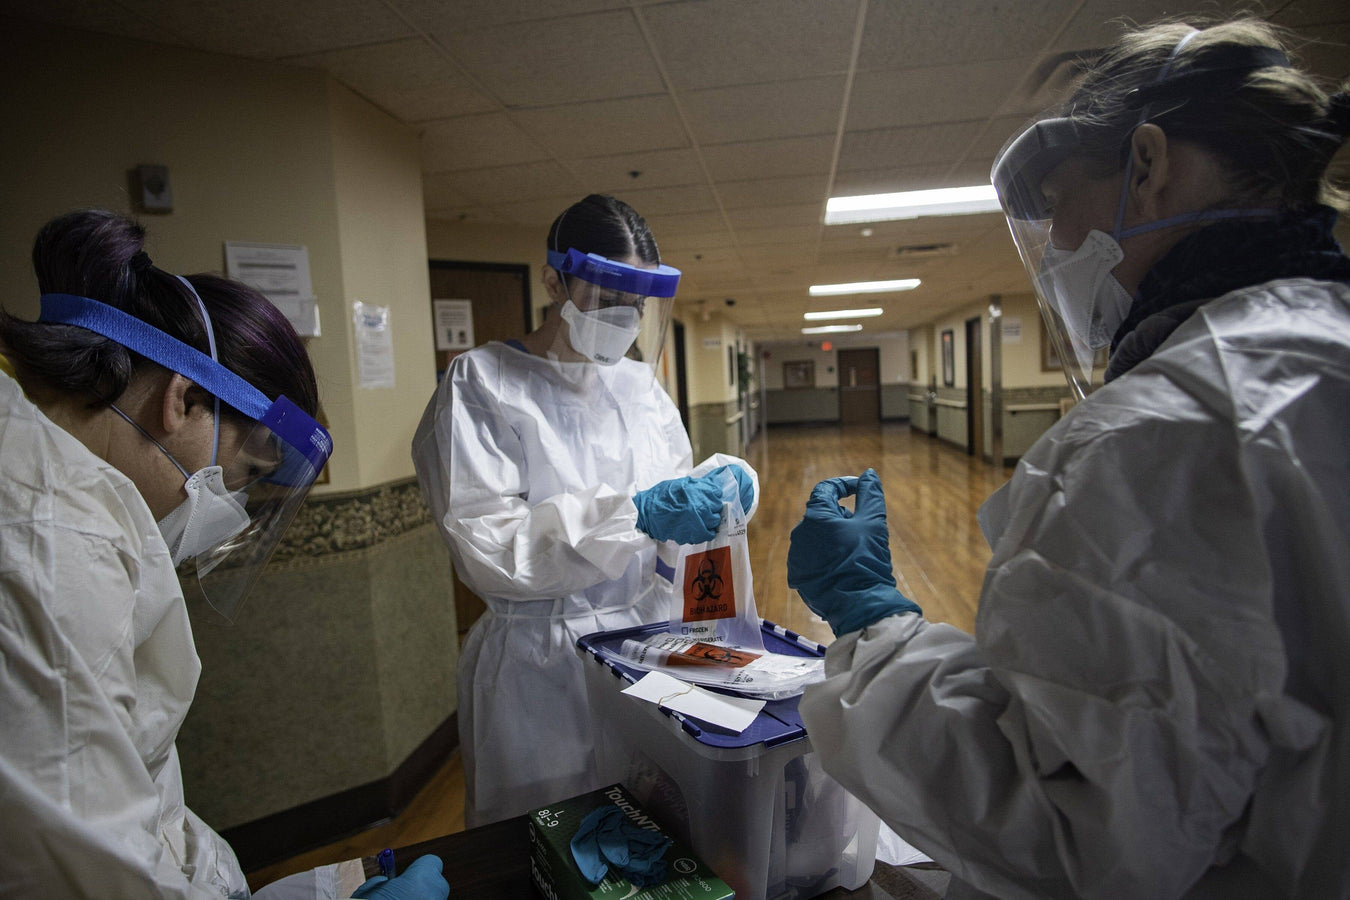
(374, 345)
(281, 273)
(1012, 330)
(454, 324)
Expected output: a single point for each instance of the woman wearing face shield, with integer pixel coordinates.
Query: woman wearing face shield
(146, 420)
(1156, 700)
(554, 464)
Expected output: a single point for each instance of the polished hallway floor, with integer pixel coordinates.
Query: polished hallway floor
(932, 493)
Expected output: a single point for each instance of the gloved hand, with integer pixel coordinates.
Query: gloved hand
(607, 839)
(743, 480)
(420, 881)
(840, 560)
(686, 510)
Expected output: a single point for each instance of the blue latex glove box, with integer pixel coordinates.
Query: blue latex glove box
(756, 806)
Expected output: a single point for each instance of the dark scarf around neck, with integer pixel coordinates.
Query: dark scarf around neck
(1220, 258)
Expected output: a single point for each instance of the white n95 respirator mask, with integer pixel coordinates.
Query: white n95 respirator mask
(602, 335)
(1080, 287)
(209, 516)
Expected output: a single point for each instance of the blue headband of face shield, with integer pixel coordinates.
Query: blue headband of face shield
(310, 440)
(595, 269)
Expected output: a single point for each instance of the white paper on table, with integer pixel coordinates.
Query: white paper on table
(732, 713)
(374, 345)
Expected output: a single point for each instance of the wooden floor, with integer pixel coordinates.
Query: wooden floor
(932, 493)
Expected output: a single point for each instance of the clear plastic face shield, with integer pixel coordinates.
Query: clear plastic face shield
(263, 462)
(614, 311)
(1082, 303)
(1075, 327)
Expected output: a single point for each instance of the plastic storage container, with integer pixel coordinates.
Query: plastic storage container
(755, 806)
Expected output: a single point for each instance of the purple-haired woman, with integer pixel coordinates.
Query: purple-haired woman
(146, 421)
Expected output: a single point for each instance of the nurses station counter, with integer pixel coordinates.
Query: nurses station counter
(493, 863)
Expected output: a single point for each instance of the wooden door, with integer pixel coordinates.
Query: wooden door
(499, 296)
(859, 386)
(974, 390)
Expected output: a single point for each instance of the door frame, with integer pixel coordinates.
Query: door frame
(974, 390)
(521, 269)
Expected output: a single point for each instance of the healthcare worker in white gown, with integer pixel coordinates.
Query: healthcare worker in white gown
(552, 465)
(1156, 701)
(117, 466)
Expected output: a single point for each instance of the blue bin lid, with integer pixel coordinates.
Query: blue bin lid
(777, 723)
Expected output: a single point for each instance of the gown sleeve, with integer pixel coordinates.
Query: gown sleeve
(471, 466)
(1105, 730)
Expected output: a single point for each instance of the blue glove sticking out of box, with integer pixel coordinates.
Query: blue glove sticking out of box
(606, 840)
(839, 561)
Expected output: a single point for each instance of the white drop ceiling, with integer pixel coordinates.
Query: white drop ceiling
(726, 123)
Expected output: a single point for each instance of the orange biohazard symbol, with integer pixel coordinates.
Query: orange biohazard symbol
(709, 589)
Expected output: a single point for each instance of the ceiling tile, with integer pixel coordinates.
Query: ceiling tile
(903, 33)
(772, 216)
(909, 146)
(90, 15)
(509, 184)
(770, 191)
(685, 223)
(754, 112)
(408, 78)
(887, 99)
(539, 212)
(655, 168)
(442, 191)
(434, 101)
(750, 237)
(712, 43)
(267, 29)
(1329, 55)
(910, 178)
(1101, 22)
(476, 142)
(769, 159)
(438, 16)
(556, 61)
(606, 127)
(715, 238)
(666, 201)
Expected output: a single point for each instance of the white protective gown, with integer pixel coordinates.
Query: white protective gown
(1157, 700)
(529, 467)
(98, 670)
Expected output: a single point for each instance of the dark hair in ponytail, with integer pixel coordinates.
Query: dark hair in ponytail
(99, 254)
(604, 225)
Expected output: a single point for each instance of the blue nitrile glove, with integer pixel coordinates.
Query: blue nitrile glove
(743, 480)
(840, 560)
(607, 839)
(685, 510)
(420, 881)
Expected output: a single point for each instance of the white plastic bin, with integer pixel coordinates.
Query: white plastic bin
(756, 806)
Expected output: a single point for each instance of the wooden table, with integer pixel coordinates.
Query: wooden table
(493, 863)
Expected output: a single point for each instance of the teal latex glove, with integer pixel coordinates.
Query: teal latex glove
(839, 560)
(743, 481)
(685, 510)
(420, 881)
(606, 840)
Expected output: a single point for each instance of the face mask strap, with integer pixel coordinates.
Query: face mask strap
(211, 344)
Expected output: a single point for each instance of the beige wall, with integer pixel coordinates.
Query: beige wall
(1022, 361)
(256, 152)
(706, 372)
(517, 244)
(378, 181)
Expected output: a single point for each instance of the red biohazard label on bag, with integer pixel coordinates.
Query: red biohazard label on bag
(709, 588)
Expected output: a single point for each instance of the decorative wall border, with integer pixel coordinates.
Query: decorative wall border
(353, 520)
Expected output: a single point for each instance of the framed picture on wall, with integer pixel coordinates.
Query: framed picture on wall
(949, 358)
(799, 374)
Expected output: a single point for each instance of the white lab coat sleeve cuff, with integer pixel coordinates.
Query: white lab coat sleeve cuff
(562, 545)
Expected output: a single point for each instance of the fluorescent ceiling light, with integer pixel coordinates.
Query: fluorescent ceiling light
(831, 329)
(865, 287)
(843, 314)
(979, 198)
